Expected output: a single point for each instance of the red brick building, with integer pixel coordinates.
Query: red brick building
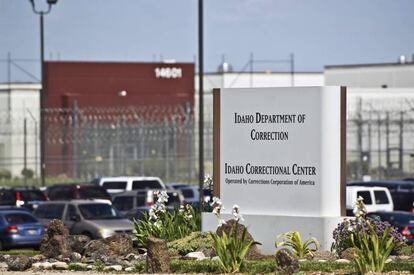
(73, 89)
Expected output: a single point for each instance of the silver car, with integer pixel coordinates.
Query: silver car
(93, 218)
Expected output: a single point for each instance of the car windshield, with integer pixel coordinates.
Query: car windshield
(146, 184)
(92, 192)
(20, 218)
(404, 219)
(98, 211)
(32, 195)
(114, 185)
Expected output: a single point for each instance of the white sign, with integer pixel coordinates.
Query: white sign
(168, 72)
(280, 150)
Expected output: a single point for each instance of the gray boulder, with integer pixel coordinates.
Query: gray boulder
(158, 259)
(117, 245)
(254, 253)
(19, 263)
(55, 242)
(78, 242)
(286, 262)
(53, 247)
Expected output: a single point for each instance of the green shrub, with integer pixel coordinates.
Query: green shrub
(293, 241)
(372, 250)
(5, 174)
(27, 173)
(196, 241)
(231, 250)
(165, 225)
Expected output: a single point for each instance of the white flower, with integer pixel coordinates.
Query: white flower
(152, 215)
(162, 197)
(158, 223)
(221, 222)
(216, 201)
(236, 213)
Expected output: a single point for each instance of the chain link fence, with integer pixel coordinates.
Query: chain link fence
(83, 143)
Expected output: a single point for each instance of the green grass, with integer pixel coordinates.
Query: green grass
(269, 266)
(20, 252)
(36, 182)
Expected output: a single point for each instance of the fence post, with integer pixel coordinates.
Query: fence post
(167, 149)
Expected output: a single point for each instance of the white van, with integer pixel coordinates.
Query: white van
(115, 185)
(375, 198)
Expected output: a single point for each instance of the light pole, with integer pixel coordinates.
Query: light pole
(42, 90)
(201, 103)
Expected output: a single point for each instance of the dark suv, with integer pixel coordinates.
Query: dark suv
(76, 191)
(21, 197)
(402, 192)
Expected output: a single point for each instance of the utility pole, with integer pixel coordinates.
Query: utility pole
(401, 140)
(201, 103)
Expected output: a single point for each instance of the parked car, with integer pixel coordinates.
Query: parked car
(76, 191)
(401, 220)
(191, 193)
(402, 192)
(143, 199)
(22, 197)
(19, 229)
(375, 198)
(93, 218)
(120, 184)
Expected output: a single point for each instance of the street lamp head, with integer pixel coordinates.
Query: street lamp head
(52, 2)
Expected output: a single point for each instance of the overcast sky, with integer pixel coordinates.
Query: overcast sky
(318, 32)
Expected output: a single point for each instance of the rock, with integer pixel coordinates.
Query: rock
(90, 267)
(42, 266)
(4, 258)
(38, 258)
(404, 258)
(56, 227)
(55, 241)
(254, 253)
(388, 260)
(321, 261)
(132, 256)
(116, 245)
(302, 260)
(323, 255)
(19, 263)
(195, 256)
(77, 242)
(3, 266)
(113, 268)
(130, 269)
(52, 247)
(60, 266)
(343, 261)
(158, 259)
(348, 254)
(75, 257)
(286, 262)
(62, 258)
